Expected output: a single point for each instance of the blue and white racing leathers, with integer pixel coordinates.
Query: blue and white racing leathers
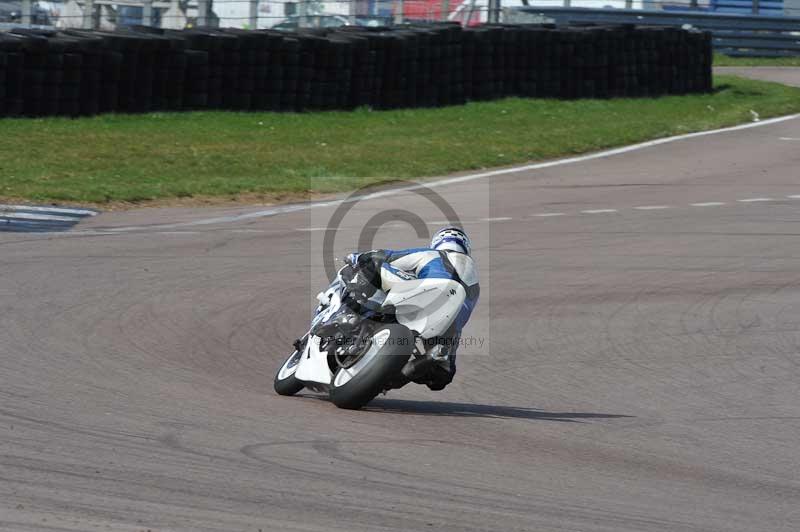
(397, 266)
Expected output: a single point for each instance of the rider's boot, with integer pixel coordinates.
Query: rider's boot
(417, 369)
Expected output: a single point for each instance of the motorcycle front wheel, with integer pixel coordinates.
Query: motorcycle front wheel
(285, 382)
(358, 384)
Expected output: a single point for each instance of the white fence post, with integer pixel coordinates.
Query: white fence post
(147, 12)
(202, 13)
(253, 22)
(88, 14)
(302, 8)
(494, 12)
(27, 12)
(398, 11)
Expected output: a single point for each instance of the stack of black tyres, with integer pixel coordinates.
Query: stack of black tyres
(232, 94)
(12, 75)
(308, 92)
(204, 58)
(35, 74)
(3, 67)
(249, 45)
(290, 63)
(78, 72)
(361, 68)
(198, 80)
(369, 62)
(169, 66)
(127, 85)
(275, 72)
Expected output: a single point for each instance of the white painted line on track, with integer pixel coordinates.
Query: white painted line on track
(549, 214)
(652, 207)
(498, 219)
(789, 138)
(708, 204)
(599, 211)
(794, 196)
(85, 233)
(55, 210)
(463, 179)
(37, 217)
(754, 200)
(310, 228)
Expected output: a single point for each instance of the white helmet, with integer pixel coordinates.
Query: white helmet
(451, 238)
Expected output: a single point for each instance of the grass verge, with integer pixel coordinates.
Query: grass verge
(724, 60)
(137, 158)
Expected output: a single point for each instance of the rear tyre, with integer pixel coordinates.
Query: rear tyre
(357, 385)
(285, 382)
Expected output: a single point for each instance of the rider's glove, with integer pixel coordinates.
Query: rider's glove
(361, 286)
(352, 259)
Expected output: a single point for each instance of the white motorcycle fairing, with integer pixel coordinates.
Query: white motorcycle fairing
(427, 306)
(313, 365)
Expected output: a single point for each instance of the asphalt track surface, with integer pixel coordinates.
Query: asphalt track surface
(640, 370)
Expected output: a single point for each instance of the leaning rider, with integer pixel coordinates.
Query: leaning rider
(448, 257)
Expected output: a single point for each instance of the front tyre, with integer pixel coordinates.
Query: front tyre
(357, 385)
(285, 382)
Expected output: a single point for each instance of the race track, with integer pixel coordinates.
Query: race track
(640, 368)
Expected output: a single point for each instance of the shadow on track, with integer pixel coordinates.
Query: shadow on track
(435, 408)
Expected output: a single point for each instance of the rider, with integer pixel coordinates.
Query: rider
(448, 257)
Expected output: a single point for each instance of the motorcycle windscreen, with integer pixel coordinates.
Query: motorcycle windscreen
(427, 306)
(313, 365)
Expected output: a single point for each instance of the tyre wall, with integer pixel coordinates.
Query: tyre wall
(76, 72)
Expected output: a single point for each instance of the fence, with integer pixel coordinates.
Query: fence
(243, 14)
(292, 14)
(742, 35)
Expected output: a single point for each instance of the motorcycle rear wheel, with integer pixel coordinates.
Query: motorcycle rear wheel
(358, 384)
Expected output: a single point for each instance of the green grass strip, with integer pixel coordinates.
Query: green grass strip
(135, 158)
(724, 60)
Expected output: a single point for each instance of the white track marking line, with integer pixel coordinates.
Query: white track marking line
(87, 232)
(310, 228)
(794, 196)
(466, 178)
(549, 214)
(37, 217)
(754, 200)
(789, 138)
(599, 211)
(652, 207)
(498, 219)
(55, 210)
(708, 204)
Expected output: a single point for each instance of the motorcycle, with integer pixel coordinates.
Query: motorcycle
(357, 348)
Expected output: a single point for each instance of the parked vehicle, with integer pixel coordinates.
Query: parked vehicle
(312, 21)
(12, 12)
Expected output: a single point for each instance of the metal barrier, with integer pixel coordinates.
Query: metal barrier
(735, 35)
